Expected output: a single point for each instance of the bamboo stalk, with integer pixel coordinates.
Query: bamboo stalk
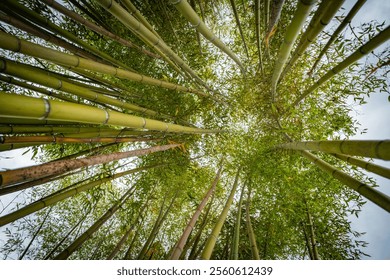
(375, 42)
(36, 108)
(53, 199)
(212, 239)
(276, 10)
(185, 9)
(45, 23)
(145, 34)
(366, 148)
(191, 224)
(292, 32)
(236, 16)
(39, 76)
(355, 9)
(15, 176)
(236, 236)
(312, 234)
(251, 234)
(380, 199)
(87, 234)
(258, 35)
(372, 167)
(74, 16)
(12, 43)
(320, 20)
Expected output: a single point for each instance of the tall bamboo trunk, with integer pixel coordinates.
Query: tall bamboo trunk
(236, 236)
(251, 234)
(212, 239)
(191, 224)
(15, 176)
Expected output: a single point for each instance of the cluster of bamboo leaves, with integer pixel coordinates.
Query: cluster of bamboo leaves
(186, 130)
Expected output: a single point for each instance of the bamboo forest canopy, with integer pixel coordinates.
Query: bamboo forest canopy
(200, 129)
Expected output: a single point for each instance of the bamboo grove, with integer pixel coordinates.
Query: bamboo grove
(187, 129)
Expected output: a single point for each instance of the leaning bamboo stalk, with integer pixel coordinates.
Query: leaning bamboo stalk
(380, 199)
(276, 10)
(292, 32)
(15, 176)
(365, 148)
(251, 234)
(191, 224)
(53, 199)
(236, 236)
(375, 42)
(23, 121)
(369, 166)
(39, 32)
(39, 76)
(318, 23)
(91, 230)
(236, 16)
(62, 139)
(45, 23)
(145, 34)
(76, 17)
(36, 108)
(312, 234)
(355, 9)
(12, 43)
(212, 239)
(258, 35)
(185, 9)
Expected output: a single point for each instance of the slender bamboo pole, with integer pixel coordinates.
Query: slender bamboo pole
(355, 9)
(185, 9)
(251, 234)
(17, 106)
(191, 224)
(258, 34)
(380, 199)
(236, 236)
(366, 148)
(15, 176)
(53, 199)
(12, 43)
(312, 234)
(87, 234)
(276, 10)
(372, 167)
(76, 17)
(212, 239)
(292, 32)
(236, 16)
(375, 42)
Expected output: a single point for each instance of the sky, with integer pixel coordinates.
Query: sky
(374, 116)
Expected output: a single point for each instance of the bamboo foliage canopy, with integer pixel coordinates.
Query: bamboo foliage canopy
(126, 112)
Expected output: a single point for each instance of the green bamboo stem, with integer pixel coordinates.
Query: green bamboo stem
(191, 224)
(372, 167)
(251, 234)
(355, 9)
(35, 108)
(307, 242)
(236, 236)
(39, 32)
(380, 199)
(292, 32)
(258, 33)
(212, 239)
(324, 15)
(12, 43)
(365, 148)
(140, 30)
(375, 42)
(90, 12)
(134, 11)
(23, 121)
(185, 9)
(236, 16)
(39, 76)
(312, 234)
(45, 23)
(267, 5)
(53, 199)
(77, 18)
(16, 176)
(276, 10)
(62, 139)
(87, 234)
